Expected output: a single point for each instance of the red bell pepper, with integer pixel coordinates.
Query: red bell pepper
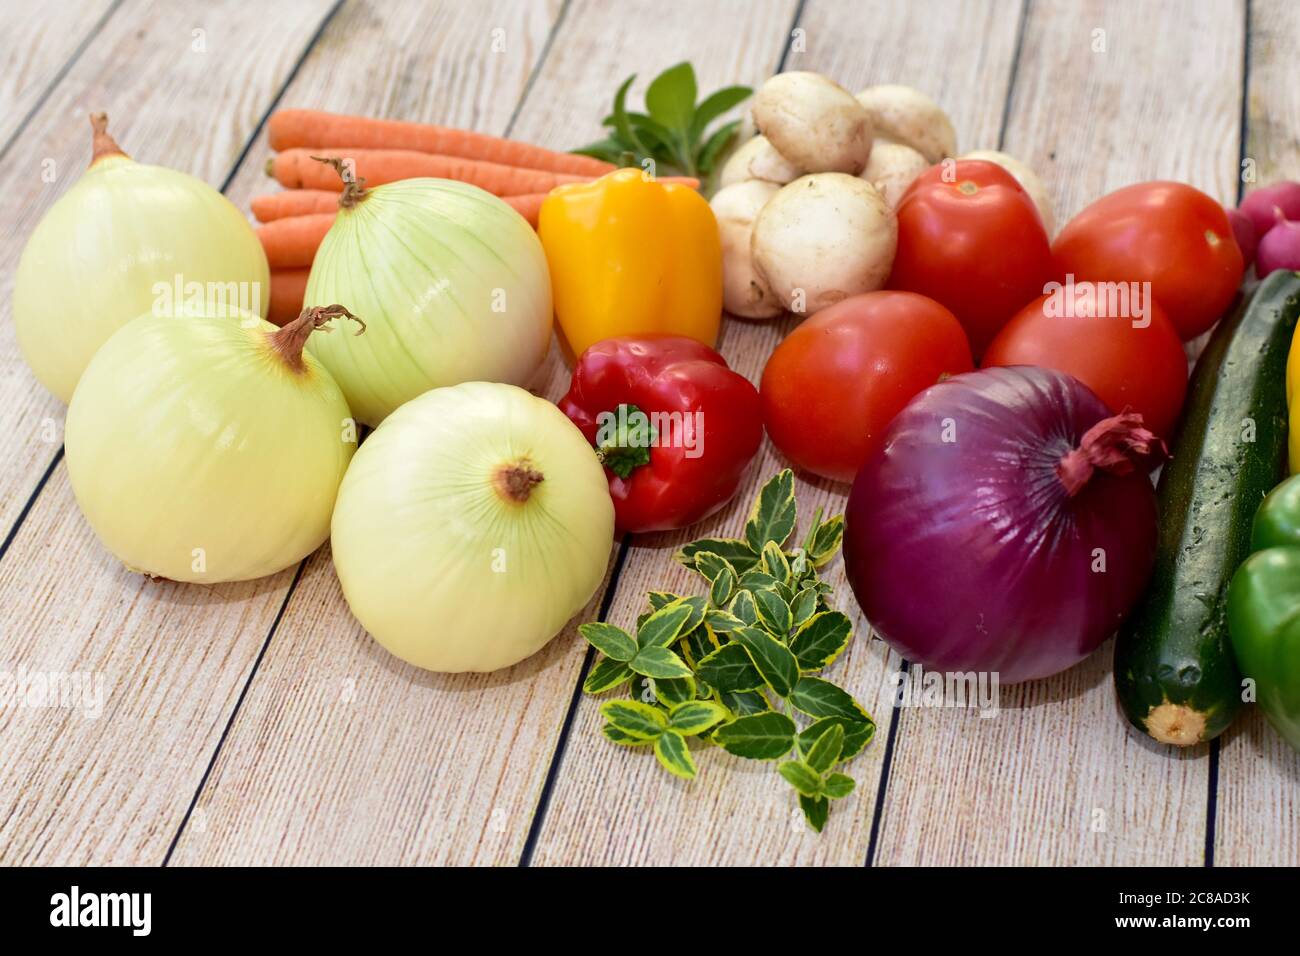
(673, 425)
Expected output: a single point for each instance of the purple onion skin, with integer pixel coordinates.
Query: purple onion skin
(1279, 249)
(968, 555)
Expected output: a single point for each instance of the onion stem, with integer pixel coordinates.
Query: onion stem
(1117, 444)
(289, 340)
(102, 145)
(515, 481)
(353, 189)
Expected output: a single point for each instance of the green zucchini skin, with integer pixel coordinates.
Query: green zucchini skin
(1175, 672)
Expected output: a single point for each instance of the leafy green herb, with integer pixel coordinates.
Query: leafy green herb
(738, 667)
(674, 129)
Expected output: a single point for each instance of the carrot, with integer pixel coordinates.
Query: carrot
(292, 243)
(332, 131)
(296, 202)
(295, 169)
(527, 205)
(288, 286)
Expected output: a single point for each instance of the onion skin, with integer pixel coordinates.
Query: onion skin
(193, 433)
(969, 555)
(452, 282)
(446, 559)
(92, 262)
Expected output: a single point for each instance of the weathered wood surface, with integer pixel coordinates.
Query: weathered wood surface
(298, 740)
(173, 659)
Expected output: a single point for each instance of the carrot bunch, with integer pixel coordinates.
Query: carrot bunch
(294, 222)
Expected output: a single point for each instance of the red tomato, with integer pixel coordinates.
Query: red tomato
(1169, 234)
(970, 238)
(837, 380)
(1132, 358)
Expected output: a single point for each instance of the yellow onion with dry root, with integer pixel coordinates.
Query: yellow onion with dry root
(473, 523)
(208, 448)
(453, 283)
(126, 239)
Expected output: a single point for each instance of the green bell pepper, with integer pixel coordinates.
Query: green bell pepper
(1264, 610)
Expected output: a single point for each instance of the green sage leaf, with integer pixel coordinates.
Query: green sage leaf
(803, 607)
(730, 668)
(605, 675)
(724, 585)
(773, 612)
(766, 736)
(744, 703)
(744, 608)
(772, 658)
(838, 786)
(654, 661)
(825, 752)
(857, 734)
(816, 810)
(826, 541)
(820, 698)
(673, 690)
(737, 553)
(665, 625)
(671, 749)
(774, 562)
(614, 642)
(642, 721)
(821, 639)
(718, 141)
(801, 777)
(773, 515)
(670, 97)
(709, 564)
(723, 621)
(622, 738)
(622, 125)
(695, 716)
(714, 105)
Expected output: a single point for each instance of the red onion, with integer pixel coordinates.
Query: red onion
(976, 537)
(1262, 205)
(1280, 247)
(1243, 230)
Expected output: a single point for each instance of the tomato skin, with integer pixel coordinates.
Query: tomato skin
(975, 244)
(1142, 368)
(1169, 234)
(833, 385)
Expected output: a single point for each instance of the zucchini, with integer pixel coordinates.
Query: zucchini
(1174, 668)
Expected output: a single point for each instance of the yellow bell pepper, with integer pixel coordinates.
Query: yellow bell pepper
(1292, 384)
(630, 255)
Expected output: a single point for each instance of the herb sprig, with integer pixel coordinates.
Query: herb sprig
(674, 129)
(737, 668)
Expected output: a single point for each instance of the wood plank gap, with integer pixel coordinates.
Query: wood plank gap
(789, 35)
(1243, 131)
(566, 728)
(31, 500)
(537, 70)
(243, 692)
(54, 82)
(1015, 71)
(882, 786)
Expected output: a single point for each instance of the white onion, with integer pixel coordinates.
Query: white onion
(453, 285)
(203, 448)
(473, 523)
(120, 243)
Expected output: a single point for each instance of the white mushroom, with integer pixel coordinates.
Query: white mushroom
(1027, 179)
(814, 123)
(823, 238)
(735, 207)
(891, 169)
(757, 159)
(901, 114)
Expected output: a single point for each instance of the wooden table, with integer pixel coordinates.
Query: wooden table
(257, 723)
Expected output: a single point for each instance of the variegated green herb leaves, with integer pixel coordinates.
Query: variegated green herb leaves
(737, 668)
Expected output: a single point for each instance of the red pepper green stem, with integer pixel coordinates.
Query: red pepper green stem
(628, 447)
